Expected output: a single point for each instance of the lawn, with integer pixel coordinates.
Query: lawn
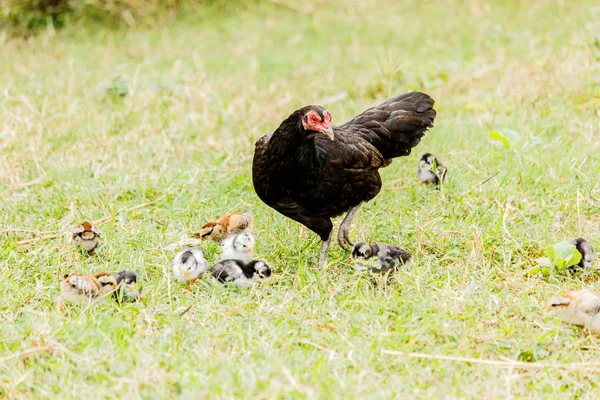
(152, 131)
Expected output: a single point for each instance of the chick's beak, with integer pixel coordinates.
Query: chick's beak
(183, 272)
(328, 132)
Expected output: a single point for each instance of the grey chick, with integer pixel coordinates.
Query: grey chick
(240, 274)
(189, 265)
(127, 290)
(238, 247)
(587, 253)
(431, 171)
(390, 257)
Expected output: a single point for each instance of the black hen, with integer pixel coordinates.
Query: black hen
(311, 171)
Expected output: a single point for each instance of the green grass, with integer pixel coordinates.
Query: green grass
(200, 92)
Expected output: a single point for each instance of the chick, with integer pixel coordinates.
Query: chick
(587, 253)
(189, 264)
(238, 247)
(580, 307)
(83, 289)
(128, 288)
(390, 257)
(431, 171)
(86, 236)
(225, 226)
(239, 273)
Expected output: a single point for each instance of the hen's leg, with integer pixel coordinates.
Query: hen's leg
(344, 232)
(323, 253)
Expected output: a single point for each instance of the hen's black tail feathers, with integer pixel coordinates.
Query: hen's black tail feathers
(397, 125)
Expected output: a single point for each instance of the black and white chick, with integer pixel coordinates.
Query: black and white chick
(240, 274)
(389, 257)
(238, 247)
(587, 253)
(431, 171)
(128, 290)
(189, 265)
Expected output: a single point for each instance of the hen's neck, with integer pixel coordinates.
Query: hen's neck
(287, 141)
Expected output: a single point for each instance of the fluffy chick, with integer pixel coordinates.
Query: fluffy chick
(239, 273)
(128, 288)
(390, 257)
(83, 289)
(238, 247)
(580, 307)
(189, 264)
(430, 170)
(587, 253)
(86, 236)
(225, 226)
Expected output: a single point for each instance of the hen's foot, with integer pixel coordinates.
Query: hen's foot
(344, 232)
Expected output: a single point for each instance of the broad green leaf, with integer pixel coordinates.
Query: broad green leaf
(564, 251)
(563, 255)
(575, 258)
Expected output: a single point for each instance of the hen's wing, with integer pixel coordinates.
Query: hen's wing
(352, 153)
(395, 126)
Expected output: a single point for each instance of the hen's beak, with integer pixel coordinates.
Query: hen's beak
(328, 132)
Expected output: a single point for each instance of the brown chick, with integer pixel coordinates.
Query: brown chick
(225, 226)
(86, 236)
(83, 289)
(580, 307)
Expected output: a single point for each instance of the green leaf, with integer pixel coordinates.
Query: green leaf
(544, 262)
(575, 258)
(565, 251)
(563, 255)
(499, 137)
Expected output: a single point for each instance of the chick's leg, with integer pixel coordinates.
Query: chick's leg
(323, 253)
(344, 232)
(60, 302)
